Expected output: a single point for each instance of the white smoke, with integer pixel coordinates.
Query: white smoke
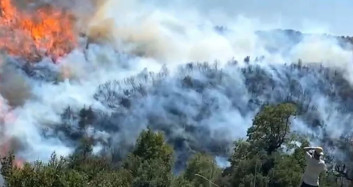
(169, 38)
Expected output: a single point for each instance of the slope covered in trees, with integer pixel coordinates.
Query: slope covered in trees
(202, 100)
(271, 155)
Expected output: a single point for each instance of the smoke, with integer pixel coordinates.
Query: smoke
(133, 69)
(138, 29)
(13, 87)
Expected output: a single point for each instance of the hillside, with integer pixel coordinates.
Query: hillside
(151, 94)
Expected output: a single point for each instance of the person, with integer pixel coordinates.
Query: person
(314, 166)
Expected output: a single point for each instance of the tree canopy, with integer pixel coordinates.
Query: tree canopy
(271, 126)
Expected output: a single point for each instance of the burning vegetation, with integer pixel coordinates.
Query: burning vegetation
(32, 35)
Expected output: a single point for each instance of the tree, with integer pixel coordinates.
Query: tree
(54, 173)
(246, 167)
(254, 159)
(300, 63)
(151, 161)
(247, 59)
(120, 178)
(343, 172)
(84, 149)
(84, 161)
(202, 170)
(7, 164)
(151, 146)
(181, 181)
(68, 116)
(249, 172)
(87, 117)
(153, 173)
(271, 126)
(286, 171)
(241, 151)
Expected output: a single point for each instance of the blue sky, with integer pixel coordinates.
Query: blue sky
(333, 16)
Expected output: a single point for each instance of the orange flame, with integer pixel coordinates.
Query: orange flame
(19, 163)
(5, 150)
(44, 32)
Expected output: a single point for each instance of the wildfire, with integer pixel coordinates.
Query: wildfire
(35, 34)
(5, 150)
(6, 142)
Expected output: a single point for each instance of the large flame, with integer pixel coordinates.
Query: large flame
(34, 34)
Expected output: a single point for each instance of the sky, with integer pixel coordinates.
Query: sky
(334, 16)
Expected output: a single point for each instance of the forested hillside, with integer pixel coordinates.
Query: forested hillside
(269, 154)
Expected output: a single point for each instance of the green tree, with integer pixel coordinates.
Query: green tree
(254, 158)
(151, 145)
(241, 151)
(151, 161)
(248, 172)
(246, 167)
(153, 173)
(201, 169)
(54, 173)
(119, 178)
(72, 178)
(180, 181)
(7, 163)
(271, 126)
(286, 171)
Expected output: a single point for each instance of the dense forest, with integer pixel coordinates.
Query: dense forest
(270, 155)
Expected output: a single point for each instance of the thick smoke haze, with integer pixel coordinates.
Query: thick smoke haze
(133, 68)
(326, 17)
